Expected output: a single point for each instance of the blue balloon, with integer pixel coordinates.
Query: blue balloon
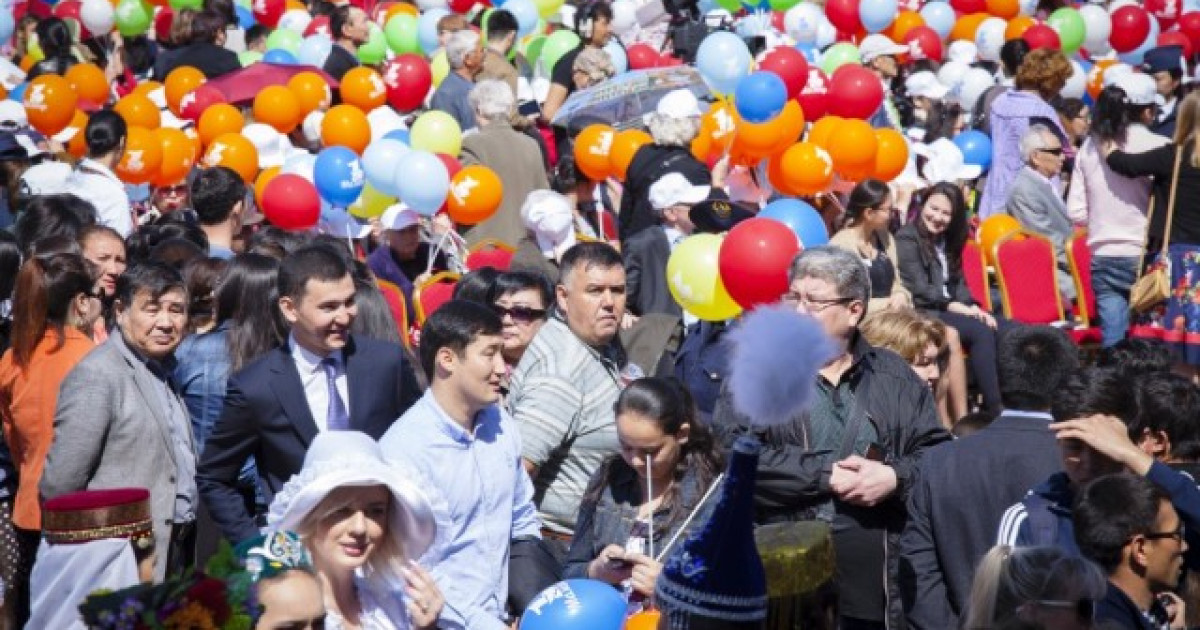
(280, 56)
(379, 163)
(877, 15)
(576, 604)
(18, 93)
(940, 17)
(7, 25)
(616, 52)
(421, 180)
(760, 97)
(722, 59)
(976, 148)
(338, 176)
(427, 34)
(245, 16)
(810, 52)
(802, 218)
(525, 12)
(399, 134)
(314, 50)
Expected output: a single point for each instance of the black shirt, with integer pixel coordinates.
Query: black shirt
(564, 71)
(340, 62)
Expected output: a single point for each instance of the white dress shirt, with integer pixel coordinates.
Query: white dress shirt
(316, 389)
(97, 184)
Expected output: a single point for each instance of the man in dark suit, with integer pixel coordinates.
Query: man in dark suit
(646, 252)
(205, 50)
(351, 28)
(324, 379)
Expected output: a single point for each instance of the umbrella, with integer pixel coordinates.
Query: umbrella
(622, 100)
(241, 86)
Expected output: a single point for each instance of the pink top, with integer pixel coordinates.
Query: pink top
(1112, 206)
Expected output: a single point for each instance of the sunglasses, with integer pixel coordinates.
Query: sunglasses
(1085, 608)
(173, 190)
(523, 314)
(1058, 151)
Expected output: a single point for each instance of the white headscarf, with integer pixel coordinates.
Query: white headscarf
(64, 575)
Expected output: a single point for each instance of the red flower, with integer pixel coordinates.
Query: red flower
(210, 593)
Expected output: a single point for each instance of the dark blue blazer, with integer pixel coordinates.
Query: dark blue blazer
(266, 416)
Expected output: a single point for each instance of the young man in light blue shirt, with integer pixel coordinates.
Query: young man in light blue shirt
(463, 442)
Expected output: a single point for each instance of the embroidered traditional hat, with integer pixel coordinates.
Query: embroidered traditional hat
(90, 515)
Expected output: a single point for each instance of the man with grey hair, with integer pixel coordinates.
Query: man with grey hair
(674, 123)
(514, 156)
(465, 58)
(851, 459)
(1035, 199)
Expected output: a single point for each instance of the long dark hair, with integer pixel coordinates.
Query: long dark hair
(955, 236)
(667, 403)
(868, 194)
(46, 286)
(247, 298)
(1114, 114)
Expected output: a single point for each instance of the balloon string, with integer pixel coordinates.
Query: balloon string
(649, 499)
(696, 510)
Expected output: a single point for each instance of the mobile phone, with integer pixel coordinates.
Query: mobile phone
(529, 108)
(875, 452)
(616, 564)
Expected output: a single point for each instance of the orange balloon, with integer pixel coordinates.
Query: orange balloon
(363, 88)
(218, 119)
(892, 155)
(139, 111)
(854, 150)
(789, 127)
(49, 103)
(294, 5)
(965, 27)
(821, 133)
(180, 81)
(146, 87)
(645, 620)
(89, 82)
(807, 168)
(1096, 76)
(1007, 9)
(77, 146)
(993, 229)
(475, 195)
(312, 92)
(233, 151)
(1017, 27)
(346, 125)
(260, 184)
(143, 155)
(592, 149)
(179, 154)
(277, 106)
(400, 8)
(905, 21)
(3, 93)
(721, 122)
(27, 63)
(701, 145)
(625, 145)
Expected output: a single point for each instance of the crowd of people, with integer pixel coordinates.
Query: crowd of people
(206, 399)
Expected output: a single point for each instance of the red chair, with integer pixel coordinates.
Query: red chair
(976, 275)
(431, 294)
(490, 253)
(1025, 268)
(395, 300)
(1079, 257)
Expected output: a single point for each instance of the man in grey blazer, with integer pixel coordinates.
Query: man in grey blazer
(120, 423)
(1036, 200)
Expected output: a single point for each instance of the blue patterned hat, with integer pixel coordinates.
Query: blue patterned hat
(716, 574)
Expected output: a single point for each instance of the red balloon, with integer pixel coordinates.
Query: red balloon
(407, 78)
(164, 17)
(754, 261)
(1130, 27)
(843, 14)
(69, 10)
(291, 202)
(1165, 11)
(268, 12)
(814, 98)
(788, 64)
(641, 57)
(967, 7)
(777, 21)
(1176, 38)
(1042, 36)
(195, 102)
(669, 61)
(1189, 24)
(856, 91)
(924, 43)
(318, 26)
(453, 166)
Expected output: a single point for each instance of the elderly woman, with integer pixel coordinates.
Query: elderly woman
(1035, 201)
(366, 525)
(592, 66)
(673, 124)
(522, 299)
(514, 156)
(465, 58)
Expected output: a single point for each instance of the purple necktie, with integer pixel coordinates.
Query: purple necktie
(336, 418)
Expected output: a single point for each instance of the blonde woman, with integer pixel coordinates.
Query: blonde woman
(1034, 587)
(365, 525)
(920, 340)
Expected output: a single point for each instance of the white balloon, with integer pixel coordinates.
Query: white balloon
(802, 22)
(426, 5)
(1117, 4)
(624, 16)
(295, 20)
(97, 16)
(616, 53)
(951, 74)
(1097, 26)
(826, 33)
(989, 37)
(1027, 7)
(1076, 83)
(301, 164)
(974, 83)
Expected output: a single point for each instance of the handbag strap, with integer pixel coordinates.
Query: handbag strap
(1171, 201)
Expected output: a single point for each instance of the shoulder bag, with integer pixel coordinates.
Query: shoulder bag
(1154, 287)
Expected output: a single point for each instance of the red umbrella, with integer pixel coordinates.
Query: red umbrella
(241, 86)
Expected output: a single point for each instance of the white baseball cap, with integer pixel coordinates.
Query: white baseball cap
(945, 162)
(12, 115)
(963, 51)
(679, 104)
(674, 189)
(1139, 89)
(925, 83)
(398, 217)
(272, 146)
(873, 46)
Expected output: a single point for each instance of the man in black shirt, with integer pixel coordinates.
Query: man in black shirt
(350, 29)
(592, 23)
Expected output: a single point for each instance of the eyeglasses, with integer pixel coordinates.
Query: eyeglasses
(1177, 534)
(521, 314)
(173, 190)
(1055, 151)
(811, 304)
(1085, 608)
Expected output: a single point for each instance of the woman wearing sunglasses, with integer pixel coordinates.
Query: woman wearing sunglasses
(1034, 587)
(522, 300)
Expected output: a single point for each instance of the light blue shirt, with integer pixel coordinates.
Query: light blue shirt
(490, 499)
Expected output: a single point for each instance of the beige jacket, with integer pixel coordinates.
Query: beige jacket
(847, 239)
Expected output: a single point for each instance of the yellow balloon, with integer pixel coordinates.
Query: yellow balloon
(370, 203)
(440, 67)
(437, 132)
(694, 279)
(35, 51)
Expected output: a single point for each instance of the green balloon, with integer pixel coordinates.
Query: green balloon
(133, 17)
(247, 57)
(179, 5)
(732, 6)
(284, 39)
(1071, 28)
(401, 32)
(783, 5)
(533, 49)
(839, 55)
(556, 45)
(375, 49)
